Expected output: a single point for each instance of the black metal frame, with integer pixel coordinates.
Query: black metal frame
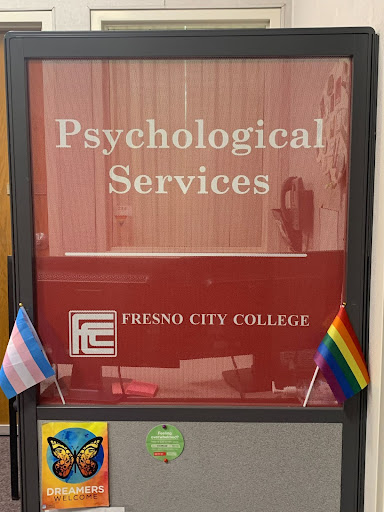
(12, 408)
(358, 43)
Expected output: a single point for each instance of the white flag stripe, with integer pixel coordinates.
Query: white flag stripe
(30, 325)
(19, 365)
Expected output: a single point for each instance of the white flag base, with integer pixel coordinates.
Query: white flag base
(311, 386)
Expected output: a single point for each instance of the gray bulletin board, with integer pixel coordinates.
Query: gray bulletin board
(245, 467)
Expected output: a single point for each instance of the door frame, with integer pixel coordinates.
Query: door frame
(26, 20)
(102, 18)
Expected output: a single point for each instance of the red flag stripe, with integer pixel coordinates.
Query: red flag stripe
(344, 333)
(345, 319)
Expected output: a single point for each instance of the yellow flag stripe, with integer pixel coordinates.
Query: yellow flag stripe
(335, 335)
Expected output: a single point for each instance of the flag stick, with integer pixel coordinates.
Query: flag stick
(59, 390)
(311, 386)
(31, 326)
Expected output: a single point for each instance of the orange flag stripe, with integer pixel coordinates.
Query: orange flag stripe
(338, 323)
(342, 314)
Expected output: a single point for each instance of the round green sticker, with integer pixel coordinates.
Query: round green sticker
(165, 442)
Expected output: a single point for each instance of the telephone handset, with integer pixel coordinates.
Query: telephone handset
(296, 213)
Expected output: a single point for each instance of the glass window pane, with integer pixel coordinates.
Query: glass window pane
(185, 25)
(190, 221)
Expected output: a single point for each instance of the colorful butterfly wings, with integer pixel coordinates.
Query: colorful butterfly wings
(66, 459)
(60, 450)
(87, 466)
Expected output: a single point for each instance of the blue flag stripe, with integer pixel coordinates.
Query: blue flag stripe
(6, 386)
(33, 346)
(326, 353)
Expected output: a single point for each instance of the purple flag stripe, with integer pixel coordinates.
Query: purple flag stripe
(330, 378)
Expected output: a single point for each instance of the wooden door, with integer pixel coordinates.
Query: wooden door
(5, 227)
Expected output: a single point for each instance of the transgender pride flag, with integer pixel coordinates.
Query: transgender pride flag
(25, 363)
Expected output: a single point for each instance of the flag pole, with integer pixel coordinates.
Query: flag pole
(59, 390)
(31, 326)
(311, 386)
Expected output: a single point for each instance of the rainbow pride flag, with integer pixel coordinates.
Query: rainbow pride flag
(341, 360)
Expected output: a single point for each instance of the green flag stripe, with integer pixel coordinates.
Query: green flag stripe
(334, 349)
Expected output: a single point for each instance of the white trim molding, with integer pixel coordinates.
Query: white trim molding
(26, 20)
(4, 430)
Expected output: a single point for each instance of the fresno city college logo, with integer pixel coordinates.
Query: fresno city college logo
(92, 333)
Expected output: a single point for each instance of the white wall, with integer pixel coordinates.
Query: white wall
(323, 13)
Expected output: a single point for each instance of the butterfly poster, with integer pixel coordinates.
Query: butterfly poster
(74, 465)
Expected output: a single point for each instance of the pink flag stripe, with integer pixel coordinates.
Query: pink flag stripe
(12, 375)
(18, 364)
(26, 356)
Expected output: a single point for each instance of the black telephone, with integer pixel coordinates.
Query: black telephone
(296, 213)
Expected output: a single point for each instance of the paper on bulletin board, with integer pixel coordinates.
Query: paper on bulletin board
(74, 465)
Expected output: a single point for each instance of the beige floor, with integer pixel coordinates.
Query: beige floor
(6, 503)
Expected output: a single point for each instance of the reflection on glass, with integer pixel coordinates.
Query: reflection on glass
(190, 221)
